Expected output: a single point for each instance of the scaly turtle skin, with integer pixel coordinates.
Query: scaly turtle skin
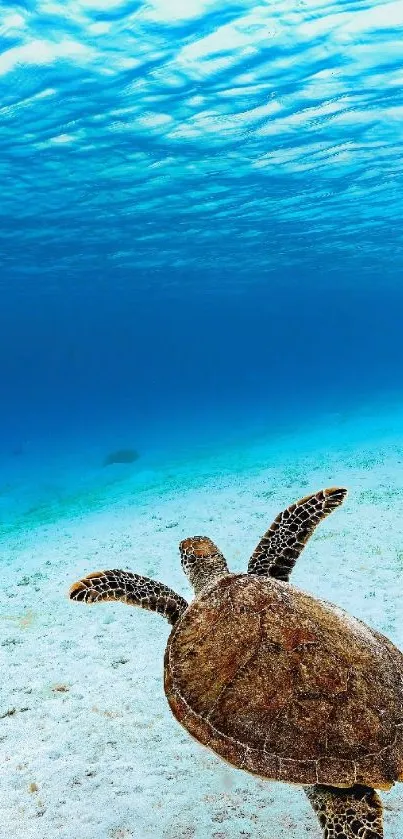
(275, 681)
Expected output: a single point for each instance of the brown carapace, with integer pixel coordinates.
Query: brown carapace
(275, 681)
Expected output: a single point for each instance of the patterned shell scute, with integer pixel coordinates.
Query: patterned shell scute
(287, 686)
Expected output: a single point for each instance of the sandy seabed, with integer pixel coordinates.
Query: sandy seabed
(88, 746)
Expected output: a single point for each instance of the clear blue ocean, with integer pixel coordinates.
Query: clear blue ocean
(201, 261)
(200, 222)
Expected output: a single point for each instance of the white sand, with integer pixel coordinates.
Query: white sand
(88, 746)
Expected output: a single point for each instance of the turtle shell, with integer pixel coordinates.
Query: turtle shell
(286, 686)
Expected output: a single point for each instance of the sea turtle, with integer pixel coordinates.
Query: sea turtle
(275, 681)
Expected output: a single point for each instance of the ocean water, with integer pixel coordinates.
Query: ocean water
(201, 254)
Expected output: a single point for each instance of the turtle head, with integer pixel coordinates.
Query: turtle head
(202, 561)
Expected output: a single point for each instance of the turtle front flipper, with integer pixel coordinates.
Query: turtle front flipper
(132, 589)
(280, 547)
(354, 813)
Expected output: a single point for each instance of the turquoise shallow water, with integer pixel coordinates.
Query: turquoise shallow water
(46, 482)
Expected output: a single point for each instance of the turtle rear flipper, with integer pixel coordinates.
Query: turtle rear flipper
(132, 589)
(354, 813)
(280, 547)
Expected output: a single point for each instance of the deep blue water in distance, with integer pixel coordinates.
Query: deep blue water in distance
(201, 219)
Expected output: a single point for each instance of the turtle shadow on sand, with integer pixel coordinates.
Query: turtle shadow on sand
(274, 680)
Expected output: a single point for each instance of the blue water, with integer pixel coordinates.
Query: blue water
(201, 259)
(200, 232)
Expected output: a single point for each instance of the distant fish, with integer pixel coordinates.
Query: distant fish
(121, 456)
(18, 450)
